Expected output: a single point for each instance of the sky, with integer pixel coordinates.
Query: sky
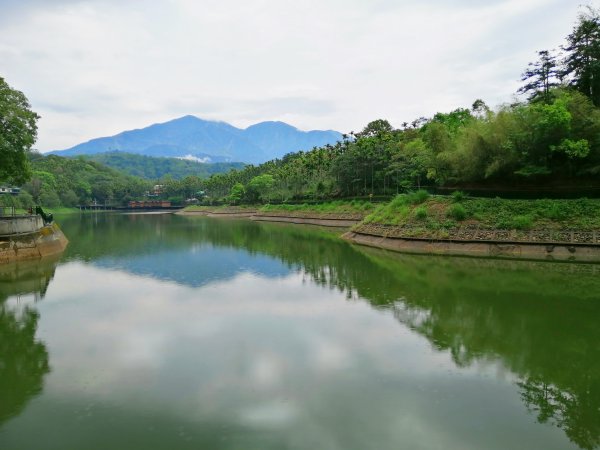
(93, 68)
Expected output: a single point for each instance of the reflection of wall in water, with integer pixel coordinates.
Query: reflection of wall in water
(27, 277)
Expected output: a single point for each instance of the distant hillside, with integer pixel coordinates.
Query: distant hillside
(153, 168)
(209, 141)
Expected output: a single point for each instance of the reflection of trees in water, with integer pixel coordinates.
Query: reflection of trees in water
(538, 319)
(24, 361)
(577, 415)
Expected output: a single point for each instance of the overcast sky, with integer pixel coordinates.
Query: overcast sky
(94, 68)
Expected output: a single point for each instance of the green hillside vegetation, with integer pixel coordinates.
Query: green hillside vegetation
(58, 181)
(155, 168)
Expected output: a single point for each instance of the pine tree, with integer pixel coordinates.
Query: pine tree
(541, 76)
(582, 63)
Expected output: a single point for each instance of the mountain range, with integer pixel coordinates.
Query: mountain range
(192, 138)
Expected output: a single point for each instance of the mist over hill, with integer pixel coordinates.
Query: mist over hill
(154, 168)
(208, 141)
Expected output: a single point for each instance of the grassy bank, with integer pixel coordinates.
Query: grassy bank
(65, 210)
(339, 207)
(420, 210)
(334, 207)
(223, 208)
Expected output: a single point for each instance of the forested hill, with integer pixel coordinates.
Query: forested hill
(154, 168)
(209, 141)
(58, 181)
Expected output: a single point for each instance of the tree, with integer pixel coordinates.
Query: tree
(480, 109)
(237, 193)
(582, 63)
(376, 128)
(412, 163)
(18, 132)
(541, 76)
(261, 185)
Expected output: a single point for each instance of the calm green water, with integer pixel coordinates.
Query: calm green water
(166, 332)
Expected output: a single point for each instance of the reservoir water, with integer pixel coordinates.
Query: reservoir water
(169, 332)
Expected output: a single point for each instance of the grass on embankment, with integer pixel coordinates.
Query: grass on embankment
(63, 210)
(419, 209)
(334, 207)
(208, 208)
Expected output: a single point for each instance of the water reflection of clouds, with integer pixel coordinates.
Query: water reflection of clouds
(145, 322)
(264, 354)
(195, 266)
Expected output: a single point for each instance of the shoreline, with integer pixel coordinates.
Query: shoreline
(530, 250)
(303, 218)
(582, 246)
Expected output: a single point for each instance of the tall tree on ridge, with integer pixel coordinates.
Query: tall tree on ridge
(540, 76)
(582, 63)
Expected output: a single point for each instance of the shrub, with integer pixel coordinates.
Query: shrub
(416, 198)
(552, 211)
(522, 222)
(421, 213)
(457, 212)
(458, 196)
(398, 201)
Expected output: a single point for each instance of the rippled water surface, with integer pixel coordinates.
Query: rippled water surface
(168, 332)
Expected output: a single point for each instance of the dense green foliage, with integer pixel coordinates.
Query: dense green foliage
(58, 181)
(155, 168)
(18, 131)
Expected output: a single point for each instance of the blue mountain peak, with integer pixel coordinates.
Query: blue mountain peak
(191, 135)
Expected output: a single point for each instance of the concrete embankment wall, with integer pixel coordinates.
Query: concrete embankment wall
(45, 241)
(20, 224)
(524, 250)
(287, 218)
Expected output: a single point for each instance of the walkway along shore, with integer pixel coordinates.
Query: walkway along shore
(533, 245)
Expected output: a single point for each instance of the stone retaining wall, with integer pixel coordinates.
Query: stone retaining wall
(10, 225)
(342, 220)
(48, 240)
(508, 249)
(476, 233)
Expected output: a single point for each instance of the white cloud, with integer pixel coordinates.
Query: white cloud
(206, 159)
(98, 67)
